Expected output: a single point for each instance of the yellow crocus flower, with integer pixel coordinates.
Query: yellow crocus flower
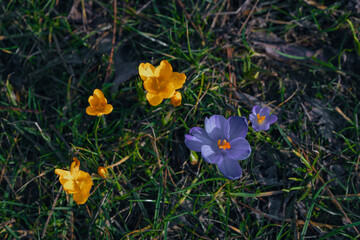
(76, 182)
(160, 82)
(98, 104)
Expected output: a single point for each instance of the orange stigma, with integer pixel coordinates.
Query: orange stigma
(260, 119)
(223, 144)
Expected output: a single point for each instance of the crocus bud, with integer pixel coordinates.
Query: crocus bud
(102, 171)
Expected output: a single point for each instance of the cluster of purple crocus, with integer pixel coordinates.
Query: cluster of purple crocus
(223, 142)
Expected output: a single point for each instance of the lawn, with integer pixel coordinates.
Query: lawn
(298, 58)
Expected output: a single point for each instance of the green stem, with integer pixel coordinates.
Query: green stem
(96, 138)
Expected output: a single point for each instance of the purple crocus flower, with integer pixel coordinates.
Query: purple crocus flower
(222, 142)
(261, 118)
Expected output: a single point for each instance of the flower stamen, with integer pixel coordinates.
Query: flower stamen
(260, 119)
(224, 144)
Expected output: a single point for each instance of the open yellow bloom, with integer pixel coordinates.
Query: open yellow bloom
(98, 104)
(103, 172)
(76, 182)
(160, 82)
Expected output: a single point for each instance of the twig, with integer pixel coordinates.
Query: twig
(108, 71)
(23, 186)
(51, 212)
(292, 95)
(72, 225)
(2, 173)
(97, 212)
(197, 101)
(145, 229)
(143, 7)
(189, 18)
(12, 189)
(7, 222)
(248, 17)
(155, 146)
(20, 110)
(118, 163)
(343, 115)
(232, 77)
(217, 15)
(84, 18)
(272, 218)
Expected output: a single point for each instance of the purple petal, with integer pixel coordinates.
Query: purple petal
(265, 126)
(196, 130)
(252, 118)
(200, 133)
(240, 150)
(210, 155)
(272, 119)
(199, 138)
(238, 127)
(217, 127)
(264, 112)
(256, 127)
(193, 143)
(230, 169)
(256, 109)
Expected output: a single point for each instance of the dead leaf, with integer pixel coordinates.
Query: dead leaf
(353, 6)
(315, 4)
(273, 45)
(124, 71)
(76, 11)
(318, 113)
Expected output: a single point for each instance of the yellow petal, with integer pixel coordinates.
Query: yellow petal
(94, 101)
(91, 111)
(153, 99)
(70, 186)
(178, 79)
(81, 197)
(108, 109)
(102, 102)
(167, 90)
(63, 173)
(151, 85)
(75, 166)
(84, 180)
(163, 71)
(98, 93)
(146, 70)
(85, 183)
(176, 99)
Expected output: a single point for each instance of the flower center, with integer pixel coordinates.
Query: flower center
(224, 144)
(100, 108)
(260, 119)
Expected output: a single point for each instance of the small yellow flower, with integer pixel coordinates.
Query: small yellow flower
(160, 82)
(76, 182)
(176, 99)
(103, 172)
(98, 104)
